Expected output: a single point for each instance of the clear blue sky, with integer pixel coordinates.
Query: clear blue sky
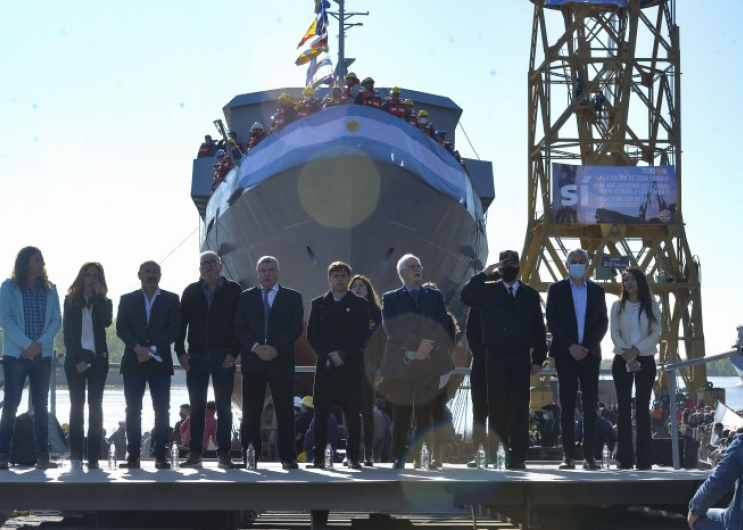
(103, 105)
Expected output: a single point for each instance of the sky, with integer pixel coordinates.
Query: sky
(103, 105)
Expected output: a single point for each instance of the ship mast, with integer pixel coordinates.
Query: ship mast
(343, 63)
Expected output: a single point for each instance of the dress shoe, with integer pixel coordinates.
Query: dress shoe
(472, 464)
(131, 463)
(354, 464)
(517, 466)
(399, 464)
(316, 465)
(225, 462)
(193, 461)
(567, 463)
(644, 468)
(369, 461)
(624, 466)
(161, 463)
(44, 463)
(291, 464)
(591, 465)
(93, 464)
(4, 462)
(436, 464)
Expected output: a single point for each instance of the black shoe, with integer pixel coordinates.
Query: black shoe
(624, 466)
(368, 457)
(416, 464)
(316, 465)
(644, 467)
(590, 465)
(291, 464)
(93, 464)
(131, 463)
(436, 464)
(567, 463)
(354, 464)
(399, 464)
(193, 461)
(4, 462)
(161, 463)
(472, 464)
(516, 466)
(369, 462)
(44, 463)
(225, 462)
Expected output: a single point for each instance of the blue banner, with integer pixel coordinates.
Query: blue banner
(614, 194)
(618, 3)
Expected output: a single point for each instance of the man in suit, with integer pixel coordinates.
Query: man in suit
(148, 322)
(577, 319)
(268, 321)
(416, 356)
(336, 330)
(478, 381)
(515, 341)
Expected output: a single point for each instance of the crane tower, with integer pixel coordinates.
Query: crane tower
(604, 92)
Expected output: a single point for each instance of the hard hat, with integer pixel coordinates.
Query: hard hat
(395, 90)
(351, 75)
(257, 125)
(367, 80)
(220, 153)
(285, 97)
(409, 102)
(308, 91)
(439, 134)
(307, 401)
(423, 114)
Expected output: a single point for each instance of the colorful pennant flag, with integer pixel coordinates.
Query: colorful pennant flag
(311, 32)
(307, 55)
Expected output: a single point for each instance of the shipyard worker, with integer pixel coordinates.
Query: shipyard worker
(30, 318)
(148, 322)
(302, 421)
(515, 342)
(352, 89)
(727, 473)
(309, 105)
(257, 135)
(478, 379)
(410, 112)
(87, 314)
(336, 329)
(424, 125)
(440, 137)
(416, 356)
(183, 414)
(285, 114)
(267, 323)
(236, 150)
(577, 319)
(371, 376)
(208, 148)
(395, 106)
(208, 321)
(367, 96)
(333, 99)
(635, 332)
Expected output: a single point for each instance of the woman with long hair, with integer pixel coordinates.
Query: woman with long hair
(87, 314)
(361, 286)
(635, 332)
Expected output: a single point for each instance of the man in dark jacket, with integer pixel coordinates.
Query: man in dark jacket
(208, 316)
(515, 341)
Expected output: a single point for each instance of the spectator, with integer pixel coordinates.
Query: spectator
(208, 148)
(396, 106)
(303, 420)
(285, 114)
(424, 125)
(309, 105)
(368, 96)
(257, 135)
(352, 89)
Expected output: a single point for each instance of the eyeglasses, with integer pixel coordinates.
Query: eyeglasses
(208, 264)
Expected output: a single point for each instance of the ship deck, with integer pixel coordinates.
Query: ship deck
(519, 494)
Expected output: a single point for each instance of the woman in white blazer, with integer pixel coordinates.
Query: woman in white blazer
(635, 332)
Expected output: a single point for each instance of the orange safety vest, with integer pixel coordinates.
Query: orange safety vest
(282, 118)
(306, 108)
(371, 99)
(396, 108)
(427, 129)
(255, 140)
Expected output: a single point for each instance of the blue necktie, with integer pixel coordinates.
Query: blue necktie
(266, 311)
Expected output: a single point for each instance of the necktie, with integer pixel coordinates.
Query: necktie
(266, 311)
(510, 291)
(414, 293)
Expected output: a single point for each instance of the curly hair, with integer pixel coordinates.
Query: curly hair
(21, 267)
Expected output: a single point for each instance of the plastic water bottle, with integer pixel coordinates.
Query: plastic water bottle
(500, 461)
(605, 458)
(425, 457)
(251, 456)
(175, 456)
(480, 458)
(328, 456)
(111, 456)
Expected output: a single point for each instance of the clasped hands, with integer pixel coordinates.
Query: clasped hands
(630, 357)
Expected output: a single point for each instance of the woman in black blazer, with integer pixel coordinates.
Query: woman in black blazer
(87, 314)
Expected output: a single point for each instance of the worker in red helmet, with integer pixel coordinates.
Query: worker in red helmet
(367, 95)
(396, 106)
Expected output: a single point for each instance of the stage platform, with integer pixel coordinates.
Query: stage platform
(520, 494)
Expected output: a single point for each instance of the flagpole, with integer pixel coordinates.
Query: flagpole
(342, 68)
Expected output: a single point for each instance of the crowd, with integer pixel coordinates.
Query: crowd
(229, 152)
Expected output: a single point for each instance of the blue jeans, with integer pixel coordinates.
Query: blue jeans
(711, 521)
(39, 370)
(202, 365)
(134, 387)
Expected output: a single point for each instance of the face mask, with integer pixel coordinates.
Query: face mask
(510, 274)
(577, 270)
(308, 98)
(253, 133)
(423, 120)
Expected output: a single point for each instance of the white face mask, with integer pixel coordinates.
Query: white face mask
(423, 120)
(308, 98)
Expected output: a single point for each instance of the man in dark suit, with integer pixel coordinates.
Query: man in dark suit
(416, 356)
(577, 319)
(478, 381)
(515, 341)
(148, 321)
(268, 321)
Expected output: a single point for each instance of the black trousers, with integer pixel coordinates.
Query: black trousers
(337, 387)
(643, 381)
(479, 395)
(254, 393)
(94, 378)
(508, 403)
(366, 405)
(572, 376)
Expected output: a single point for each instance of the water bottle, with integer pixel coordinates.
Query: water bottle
(328, 457)
(425, 457)
(175, 456)
(251, 457)
(111, 456)
(480, 458)
(500, 462)
(605, 458)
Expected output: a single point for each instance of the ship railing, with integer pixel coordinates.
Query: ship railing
(672, 370)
